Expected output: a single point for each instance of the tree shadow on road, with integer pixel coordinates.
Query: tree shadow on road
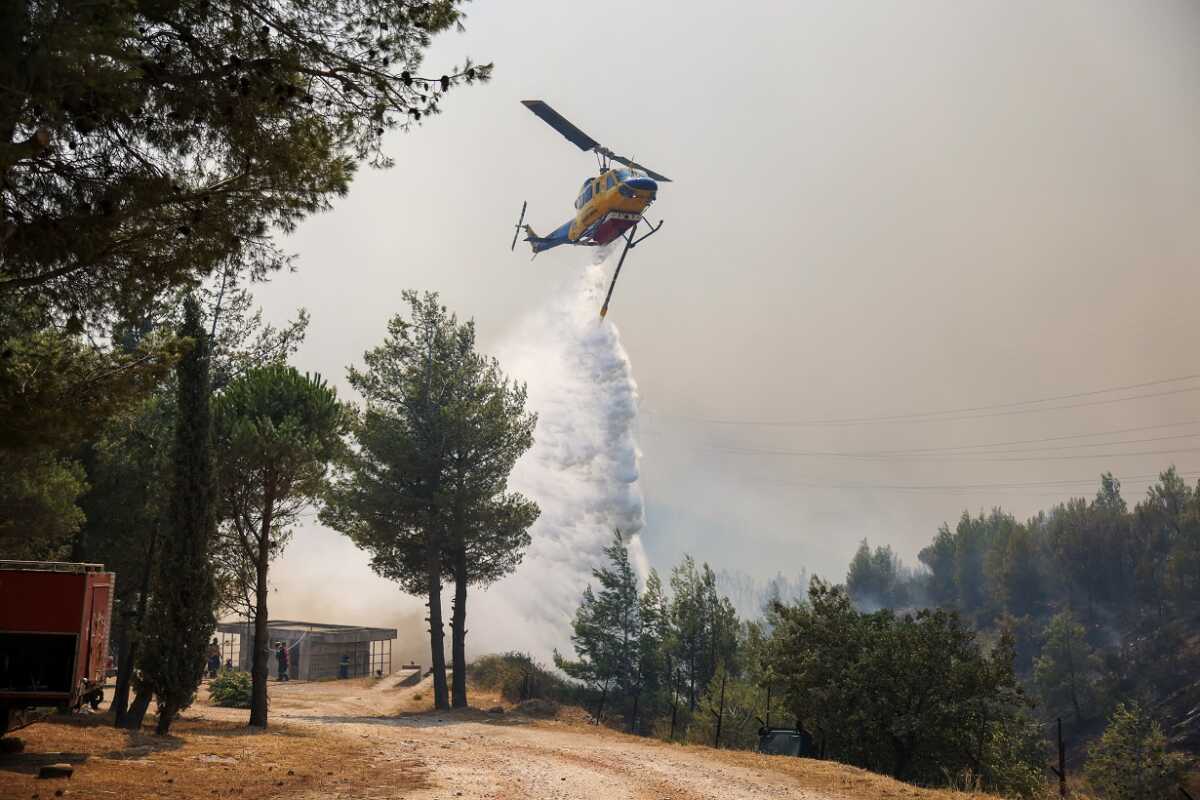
(422, 719)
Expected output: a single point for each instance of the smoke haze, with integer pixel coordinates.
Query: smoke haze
(582, 469)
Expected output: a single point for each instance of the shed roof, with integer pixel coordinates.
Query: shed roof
(325, 630)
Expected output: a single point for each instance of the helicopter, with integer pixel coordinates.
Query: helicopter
(609, 206)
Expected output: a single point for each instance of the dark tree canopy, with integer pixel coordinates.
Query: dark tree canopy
(145, 144)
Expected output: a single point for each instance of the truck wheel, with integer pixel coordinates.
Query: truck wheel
(95, 699)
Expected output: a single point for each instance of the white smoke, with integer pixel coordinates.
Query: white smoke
(582, 469)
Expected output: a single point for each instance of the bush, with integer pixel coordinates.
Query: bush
(518, 677)
(1130, 761)
(230, 689)
(542, 709)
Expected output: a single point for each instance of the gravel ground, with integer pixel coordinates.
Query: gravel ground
(474, 755)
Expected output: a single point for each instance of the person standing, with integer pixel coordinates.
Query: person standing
(214, 658)
(281, 659)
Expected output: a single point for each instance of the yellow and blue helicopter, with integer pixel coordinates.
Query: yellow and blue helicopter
(609, 206)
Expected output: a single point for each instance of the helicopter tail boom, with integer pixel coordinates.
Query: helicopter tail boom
(557, 237)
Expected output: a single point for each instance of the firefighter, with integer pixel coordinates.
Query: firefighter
(344, 666)
(281, 660)
(214, 658)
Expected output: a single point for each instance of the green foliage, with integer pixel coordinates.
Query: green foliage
(1100, 598)
(519, 677)
(147, 146)
(875, 579)
(203, 125)
(38, 491)
(231, 689)
(738, 704)
(1066, 671)
(607, 632)
(1131, 761)
(704, 628)
(181, 619)
(276, 433)
(56, 388)
(425, 493)
(913, 696)
(637, 655)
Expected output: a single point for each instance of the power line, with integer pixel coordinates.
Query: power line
(1066, 437)
(967, 413)
(929, 454)
(942, 487)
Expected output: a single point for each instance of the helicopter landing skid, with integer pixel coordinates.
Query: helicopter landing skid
(630, 243)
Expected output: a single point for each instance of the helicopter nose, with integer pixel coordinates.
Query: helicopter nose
(642, 183)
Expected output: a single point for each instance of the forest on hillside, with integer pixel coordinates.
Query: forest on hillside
(1102, 599)
(955, 672)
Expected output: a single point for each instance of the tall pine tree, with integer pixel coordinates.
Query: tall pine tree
(181, 618)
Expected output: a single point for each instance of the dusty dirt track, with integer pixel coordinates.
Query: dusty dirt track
(371, 740)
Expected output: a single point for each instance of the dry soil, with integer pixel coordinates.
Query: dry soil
(362, 739)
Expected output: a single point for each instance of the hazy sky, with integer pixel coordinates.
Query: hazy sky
(878, 208)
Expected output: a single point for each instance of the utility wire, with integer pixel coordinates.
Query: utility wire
(989, 445)
(930, 455)
(967, 413)
(941, 487)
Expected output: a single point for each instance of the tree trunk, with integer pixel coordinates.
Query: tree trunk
(721, 714)
(166, 715)
(261, 667)
(125, 654)
(674, 683)
(129, 642)
(437, 651)
(692, 679)
(458, 632)
(137, 711)
(903, 755)
(600, 708)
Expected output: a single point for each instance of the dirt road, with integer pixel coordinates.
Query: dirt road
(376, 740)
(474, 755)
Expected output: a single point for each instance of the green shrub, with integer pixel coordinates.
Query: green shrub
(518, 677)
(1130, 761)
(231, 689)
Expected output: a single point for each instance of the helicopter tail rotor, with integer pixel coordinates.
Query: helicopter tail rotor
(518, 226)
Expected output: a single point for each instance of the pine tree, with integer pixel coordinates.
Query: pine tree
(487, 430)
(607, 631)
(424, 494)
(277, 431)
(181, 618)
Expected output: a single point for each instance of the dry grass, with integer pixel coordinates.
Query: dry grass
(200, 759)
(830, 777)
(839, 779)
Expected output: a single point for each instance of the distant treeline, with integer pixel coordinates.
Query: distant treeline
(1102, 600)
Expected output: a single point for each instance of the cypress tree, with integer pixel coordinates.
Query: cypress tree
(181, 619)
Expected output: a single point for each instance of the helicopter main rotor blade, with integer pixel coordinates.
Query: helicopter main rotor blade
(561, 124)
(631, 163)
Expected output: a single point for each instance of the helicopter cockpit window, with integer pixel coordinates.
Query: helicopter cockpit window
(585, 195)
(608, 182)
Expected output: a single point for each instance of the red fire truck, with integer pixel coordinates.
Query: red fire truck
(54, 625)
